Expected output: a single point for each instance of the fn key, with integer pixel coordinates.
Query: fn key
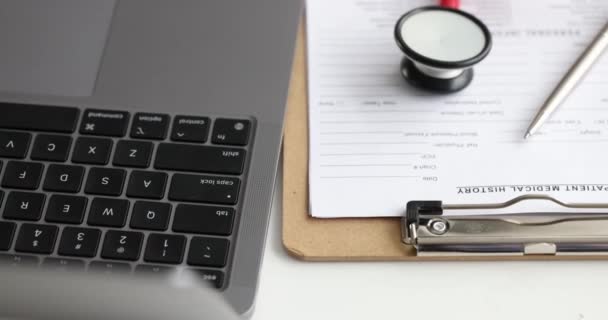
(231, 132)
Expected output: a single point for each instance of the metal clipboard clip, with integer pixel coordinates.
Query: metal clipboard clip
(433, 231)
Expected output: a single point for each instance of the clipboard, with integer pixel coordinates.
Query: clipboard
(413, 238)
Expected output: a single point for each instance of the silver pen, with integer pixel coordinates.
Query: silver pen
(570, 80)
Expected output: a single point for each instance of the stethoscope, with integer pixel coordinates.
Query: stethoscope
(441, 45)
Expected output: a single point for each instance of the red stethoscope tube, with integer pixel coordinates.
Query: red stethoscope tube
(454, 4)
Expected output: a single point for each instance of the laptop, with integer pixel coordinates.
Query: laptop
(142, 136)
(95, 296)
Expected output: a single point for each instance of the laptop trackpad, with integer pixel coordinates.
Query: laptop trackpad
(52, 47)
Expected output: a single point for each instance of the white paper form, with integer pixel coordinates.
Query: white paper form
(376, 142)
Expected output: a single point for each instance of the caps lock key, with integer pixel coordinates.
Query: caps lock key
(195, 188)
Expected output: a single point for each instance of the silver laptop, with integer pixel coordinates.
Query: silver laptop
(142, 136)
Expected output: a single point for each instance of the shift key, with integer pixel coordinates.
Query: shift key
(186, 157)
(208, 189)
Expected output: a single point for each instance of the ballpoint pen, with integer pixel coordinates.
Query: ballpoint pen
(570, 80)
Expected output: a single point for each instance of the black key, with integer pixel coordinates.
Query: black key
(148, 269)
(14, 144)
(7, 230)
(104, 122)
(208, 252)
(79, 242)
(212, 276)
(183, 157)
(66, 209)
(51, 147)
(22, 175)
(92, 151)
(103, 181)
(24, 206)
(150, 126)
(165, 248)
(231, 131)
(150, 215)
(63, 178)
(122, 245)
(133, 154)
(105, 267)
(195, 188)
(60, 264)
(17, 260)
(147, 184)
(191, 129)
(203, 219)
(108, 212)
(39, 118)
(36, 238)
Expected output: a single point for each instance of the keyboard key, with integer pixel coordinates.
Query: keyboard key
(165, 248)
(133, 154)
(147, 269)
(183, 157)
(191, 129)
(38, 118)
(122, 245)
(195, 188)
(216, 278)
(150, 215)
(17, 260)
(104, 123)
(63, 178)
(106, 267)
(92, 151)
(203, 219)
(36, 238)
(66, 209)
(147, 184)
(22, 175)
(79, 242)
(14, 144)
(208, 252)
(150, 126)
(104, 181)
(60, 264)
(231, 131)
(51, 147)
(24, 206)
(108, 212)
(7, 230)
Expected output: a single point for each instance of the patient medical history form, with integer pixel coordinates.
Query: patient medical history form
(377, 143)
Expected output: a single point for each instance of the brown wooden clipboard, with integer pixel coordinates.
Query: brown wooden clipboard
(313, 239)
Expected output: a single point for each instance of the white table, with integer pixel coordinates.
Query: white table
(292, 289)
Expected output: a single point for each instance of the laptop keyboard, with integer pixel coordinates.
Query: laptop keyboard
(112, 191)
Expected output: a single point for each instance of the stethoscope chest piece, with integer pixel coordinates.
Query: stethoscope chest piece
(441, 46)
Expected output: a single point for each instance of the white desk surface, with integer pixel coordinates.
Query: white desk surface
(294, 290)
